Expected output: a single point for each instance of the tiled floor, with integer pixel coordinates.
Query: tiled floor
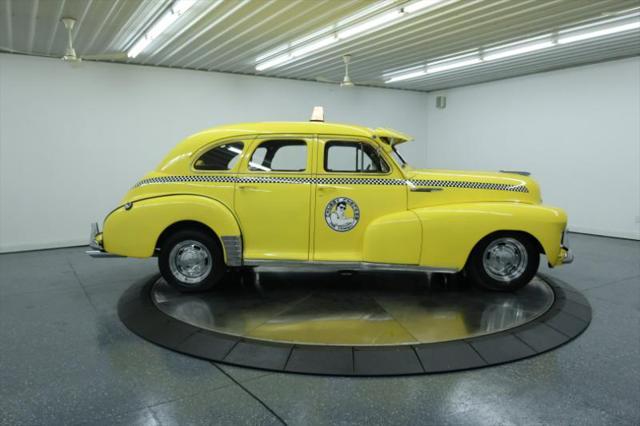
(65, 358)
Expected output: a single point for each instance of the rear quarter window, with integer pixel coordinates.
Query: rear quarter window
(222, 157)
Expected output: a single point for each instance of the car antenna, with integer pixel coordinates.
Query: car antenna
(317, 114)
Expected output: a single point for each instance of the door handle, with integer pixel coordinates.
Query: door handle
(415, 189)
(324, 188)
(244, 187)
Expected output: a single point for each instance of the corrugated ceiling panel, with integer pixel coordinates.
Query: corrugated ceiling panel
(228, 36)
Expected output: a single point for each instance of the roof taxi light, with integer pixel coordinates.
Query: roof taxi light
(317, 114)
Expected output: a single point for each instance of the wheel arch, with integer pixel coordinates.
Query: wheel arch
(182, 225)
(507, 232)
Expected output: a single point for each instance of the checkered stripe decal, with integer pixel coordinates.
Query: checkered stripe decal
(176, 179)
(334, 181)
(470, 185)
(361, 181)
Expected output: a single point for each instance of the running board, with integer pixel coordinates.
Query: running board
(303, 265)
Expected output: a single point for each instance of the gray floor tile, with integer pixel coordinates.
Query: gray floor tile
(144, 417)
(598, 260)
(242, 374)
(65, 358)
(315, 400)
(625, 292)
(227, 406)
(62, 360)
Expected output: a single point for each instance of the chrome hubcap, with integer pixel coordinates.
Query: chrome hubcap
(505, 259)
(190, 261)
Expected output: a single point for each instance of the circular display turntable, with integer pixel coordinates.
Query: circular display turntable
(362, 324)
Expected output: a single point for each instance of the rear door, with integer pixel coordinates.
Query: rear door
(273, 198)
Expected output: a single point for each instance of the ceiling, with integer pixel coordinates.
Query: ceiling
(229, 36)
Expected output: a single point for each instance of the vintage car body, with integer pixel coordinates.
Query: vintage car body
(396, 217)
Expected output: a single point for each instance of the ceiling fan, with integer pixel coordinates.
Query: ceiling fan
(70, 53)
(346, 80)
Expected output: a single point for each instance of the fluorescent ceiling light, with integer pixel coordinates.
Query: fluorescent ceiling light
(568, 38)
(373, 23)
(620, 24)
(176, 9)
(440, 67)
(319, 44)
(435, 67)
(407, 76)
(278, 60)
(364, 12)
(514, 51)
(352, 25)
(296, 53)
(420, 5)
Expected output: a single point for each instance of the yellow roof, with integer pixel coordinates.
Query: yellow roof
(194, 142)
(292, 127)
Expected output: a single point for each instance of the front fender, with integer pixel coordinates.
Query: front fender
(134, 232)
(450, 232)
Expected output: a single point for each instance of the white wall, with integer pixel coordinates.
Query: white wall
(74, 139)
(577, 130)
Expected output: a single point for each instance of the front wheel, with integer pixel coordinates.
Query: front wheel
(191, 261)
(503, 262)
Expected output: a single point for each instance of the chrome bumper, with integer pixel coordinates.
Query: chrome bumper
(568, 257)
(96, 247)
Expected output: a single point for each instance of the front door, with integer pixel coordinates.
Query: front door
(355, 186)
(273, 198)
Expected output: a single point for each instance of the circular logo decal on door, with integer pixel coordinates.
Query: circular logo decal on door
(342, 214)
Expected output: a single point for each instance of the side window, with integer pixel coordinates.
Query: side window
(353, 157)
(222, 157)
(279, 156)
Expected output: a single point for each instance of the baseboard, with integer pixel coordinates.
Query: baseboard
(603, 233)
(13, 248)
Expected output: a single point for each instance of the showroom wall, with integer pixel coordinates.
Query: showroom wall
(73, 139)
(576, 130)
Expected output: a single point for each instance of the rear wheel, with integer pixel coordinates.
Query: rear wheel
(191, 260)
(503, 262)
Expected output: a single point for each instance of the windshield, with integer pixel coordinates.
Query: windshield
(397, 157)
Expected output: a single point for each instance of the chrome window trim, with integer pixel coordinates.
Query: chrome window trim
(259, 140)
(371, 143)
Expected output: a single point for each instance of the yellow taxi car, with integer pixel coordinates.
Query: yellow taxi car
(324, 195)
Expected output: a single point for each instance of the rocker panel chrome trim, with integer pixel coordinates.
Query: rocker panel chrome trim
(342, 266)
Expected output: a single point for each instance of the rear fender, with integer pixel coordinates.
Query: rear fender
(133, 229)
